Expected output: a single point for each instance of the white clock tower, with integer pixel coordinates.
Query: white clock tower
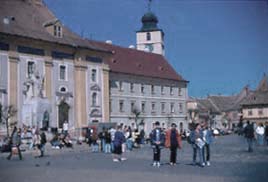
(150, 38)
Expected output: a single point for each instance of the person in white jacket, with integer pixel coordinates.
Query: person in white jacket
(260, 134)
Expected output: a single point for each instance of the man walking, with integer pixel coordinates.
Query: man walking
(157, 141)
(15, 143)
(249, 135)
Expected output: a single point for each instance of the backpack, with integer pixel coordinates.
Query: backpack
(188, 139)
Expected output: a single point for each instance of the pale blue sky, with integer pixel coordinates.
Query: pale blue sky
(218, 45)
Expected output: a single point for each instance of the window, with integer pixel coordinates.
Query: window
(250, 112)
(172, 107)
(63, 89)
(148, 36)
(179, 92)
(132, 106)
(143, 107)
(110, 106)
(57, 31)
(163, 107)
(162, 90)
(131, 87)
(121, 106)
(260, 112)
(120, 86)
(142, 88)
(171, 90)
(153, 107)
(30, 68)
(152, 89)
(180, 107)
(94, 99)
(93, 75)
(62, 72)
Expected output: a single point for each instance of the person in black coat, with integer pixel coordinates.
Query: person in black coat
(249, 135)
(15, 143)
(266, 133)
(43, 141)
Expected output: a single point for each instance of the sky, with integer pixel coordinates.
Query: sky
(219, 46)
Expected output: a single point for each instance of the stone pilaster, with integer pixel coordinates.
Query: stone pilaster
(48, 79)
(13, 83)
(106, 95)
(80, 96)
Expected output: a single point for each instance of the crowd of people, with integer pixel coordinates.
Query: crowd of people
(35, 139)
(253, 132)
(117, 140)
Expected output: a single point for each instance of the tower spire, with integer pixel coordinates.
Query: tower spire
(149, 5)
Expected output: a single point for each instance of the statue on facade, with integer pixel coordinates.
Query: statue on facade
(34, 85)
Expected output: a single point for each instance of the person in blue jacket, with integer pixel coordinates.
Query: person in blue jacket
(196, 137)
(208, 139)
(157, 140)
(119, 139)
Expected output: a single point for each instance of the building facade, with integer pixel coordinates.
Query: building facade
(255, 105)
(144, 87)
(71, 72)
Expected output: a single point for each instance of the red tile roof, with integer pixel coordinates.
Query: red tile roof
(132, 61)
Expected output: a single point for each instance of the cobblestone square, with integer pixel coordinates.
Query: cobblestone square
(230, 162)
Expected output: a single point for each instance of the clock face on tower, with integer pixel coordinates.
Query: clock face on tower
(149, 47)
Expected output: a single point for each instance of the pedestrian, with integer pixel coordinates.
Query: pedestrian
(260, 131)
(15, 143)
(112, 132)
(129, 139)
(208, 139)
(65, 128)
(107, 138)
(43, 141)
(119, 139)
(102, 140)
(157, 140)
(266, 133)
(249, 135)
(196, 137)
(173, 142)
(95, 145)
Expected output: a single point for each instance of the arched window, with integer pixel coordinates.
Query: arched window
(63, 89)
(148, 36)
(94, 99)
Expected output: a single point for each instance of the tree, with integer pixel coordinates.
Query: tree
(8, 112)
(136, 112)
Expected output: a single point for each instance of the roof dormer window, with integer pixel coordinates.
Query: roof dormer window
(57, 31)
(54, 27)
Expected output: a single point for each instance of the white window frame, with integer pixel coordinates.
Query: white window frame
(120, 85)
(92, 75)
(94, 104)
(66, 72)
(172, 108)
(153, 105)
(121, 109)
(163, 107)
(143, 109)
(27, 71)
(62, 86)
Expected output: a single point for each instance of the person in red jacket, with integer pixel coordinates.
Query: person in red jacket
(173, 141)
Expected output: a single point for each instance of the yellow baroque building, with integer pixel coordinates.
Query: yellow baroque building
(42, 61)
